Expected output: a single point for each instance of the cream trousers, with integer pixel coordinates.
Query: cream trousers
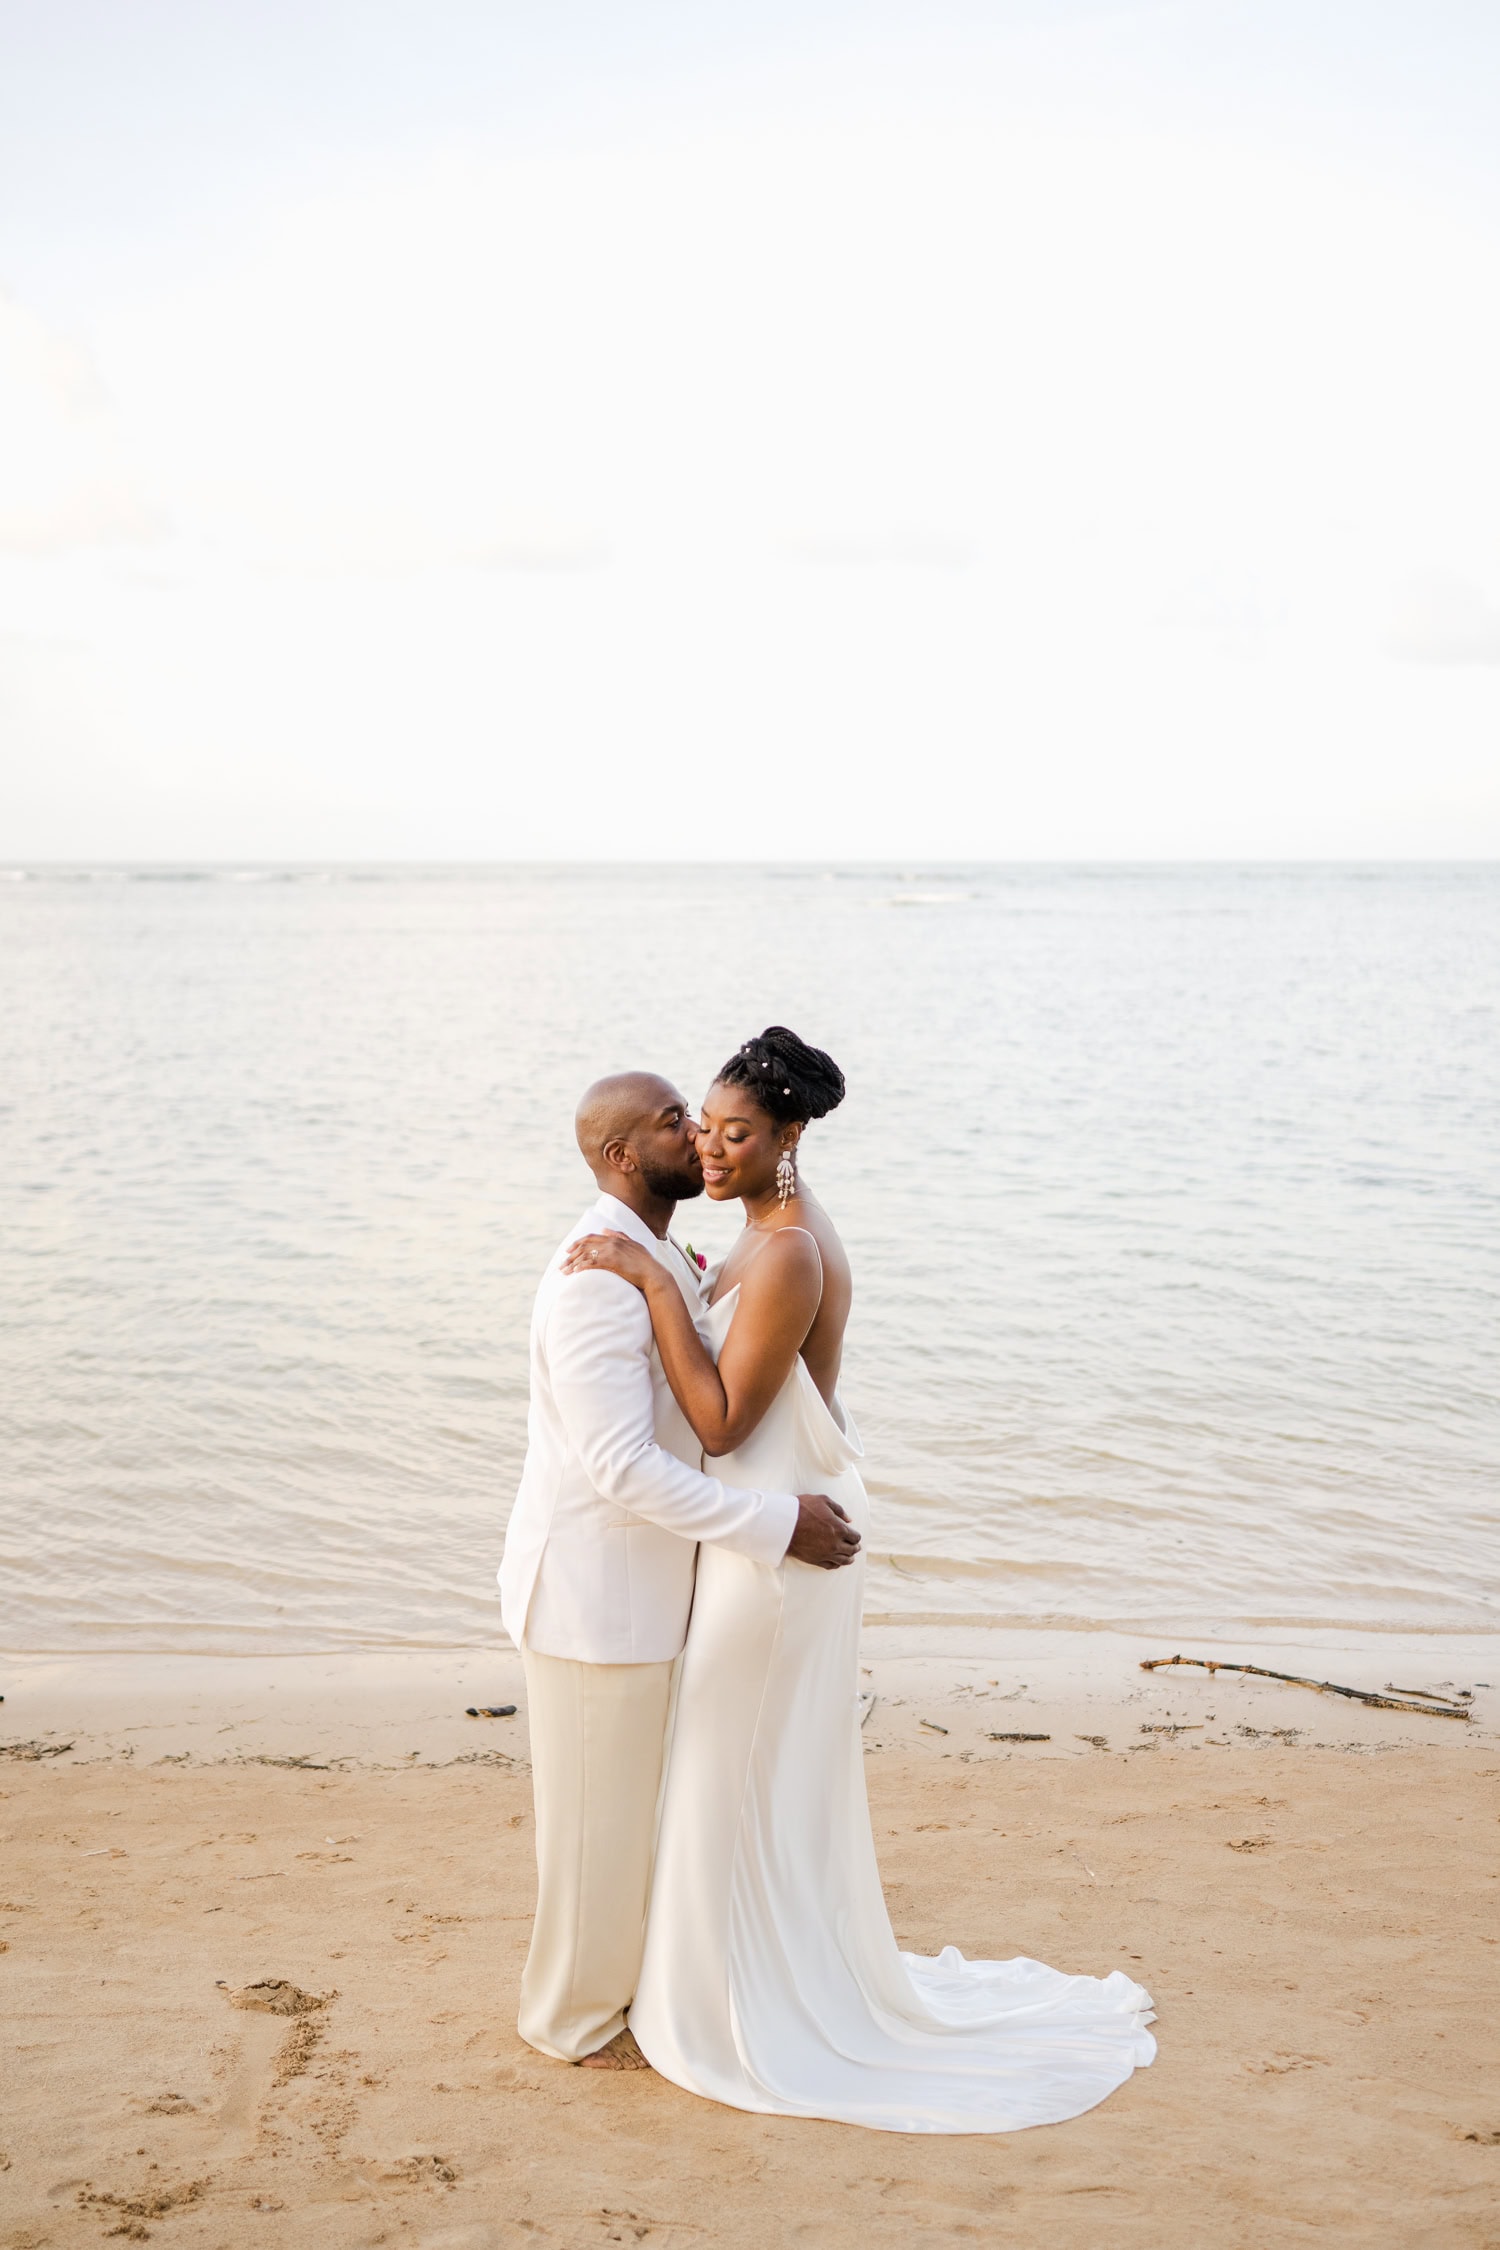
(598, 1732)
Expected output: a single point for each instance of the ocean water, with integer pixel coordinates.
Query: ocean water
(1171, 1196)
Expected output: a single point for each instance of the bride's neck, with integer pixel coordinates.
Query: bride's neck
(765, 1210)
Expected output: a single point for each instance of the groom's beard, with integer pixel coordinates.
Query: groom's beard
(673, 1187)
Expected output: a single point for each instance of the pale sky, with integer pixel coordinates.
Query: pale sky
(446, 429)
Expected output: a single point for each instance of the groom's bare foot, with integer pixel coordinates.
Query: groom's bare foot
(622, 2053)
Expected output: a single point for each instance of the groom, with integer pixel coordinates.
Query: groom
(597, 1577)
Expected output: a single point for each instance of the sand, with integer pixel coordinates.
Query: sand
(1315, 1910)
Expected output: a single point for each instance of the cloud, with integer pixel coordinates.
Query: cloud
(538, 552)
(1441, 618)
(823, 349)
(954, 473)
(900, 546)
(64, 481)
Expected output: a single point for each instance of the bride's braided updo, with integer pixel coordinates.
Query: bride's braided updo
(792, 1081)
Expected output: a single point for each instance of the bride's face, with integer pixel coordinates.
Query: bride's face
(738, 1145)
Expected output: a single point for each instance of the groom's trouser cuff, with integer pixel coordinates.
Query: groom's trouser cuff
(597, 1738)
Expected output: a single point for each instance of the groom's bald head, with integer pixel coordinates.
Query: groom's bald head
(612, 1109)
(635, 1128)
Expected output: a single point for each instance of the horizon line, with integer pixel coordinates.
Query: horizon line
(881, 862)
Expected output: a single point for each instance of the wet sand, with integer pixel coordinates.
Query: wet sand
(1310, 1889)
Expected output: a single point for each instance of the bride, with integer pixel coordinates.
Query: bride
(772, 1979)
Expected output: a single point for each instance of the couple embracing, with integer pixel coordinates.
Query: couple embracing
(683, 1574)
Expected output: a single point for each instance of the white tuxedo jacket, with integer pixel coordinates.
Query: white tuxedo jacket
(603, 1539)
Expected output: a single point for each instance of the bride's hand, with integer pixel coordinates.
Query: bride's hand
(612, 1253)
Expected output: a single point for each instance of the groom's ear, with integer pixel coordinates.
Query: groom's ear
(618, 1156)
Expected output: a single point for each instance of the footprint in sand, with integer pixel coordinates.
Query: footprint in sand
(133, 2211)
(273, 2051)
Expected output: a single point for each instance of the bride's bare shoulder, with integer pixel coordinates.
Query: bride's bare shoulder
(785, 1252)
(831, 1251)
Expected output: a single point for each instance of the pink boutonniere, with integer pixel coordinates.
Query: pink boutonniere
(697, 1258)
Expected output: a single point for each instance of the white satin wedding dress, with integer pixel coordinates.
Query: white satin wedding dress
(772, 1980)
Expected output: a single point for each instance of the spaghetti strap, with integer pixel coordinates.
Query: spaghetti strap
(772, 1232)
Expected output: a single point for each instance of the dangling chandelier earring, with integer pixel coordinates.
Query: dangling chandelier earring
(786, 1177)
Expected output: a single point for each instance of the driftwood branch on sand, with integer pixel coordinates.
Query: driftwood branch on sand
(1449, 1707)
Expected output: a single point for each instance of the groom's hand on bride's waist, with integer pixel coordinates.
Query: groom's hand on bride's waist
(824, 1535)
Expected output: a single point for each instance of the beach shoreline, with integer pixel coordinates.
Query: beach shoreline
(1265, 1860)
(962, 1690)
